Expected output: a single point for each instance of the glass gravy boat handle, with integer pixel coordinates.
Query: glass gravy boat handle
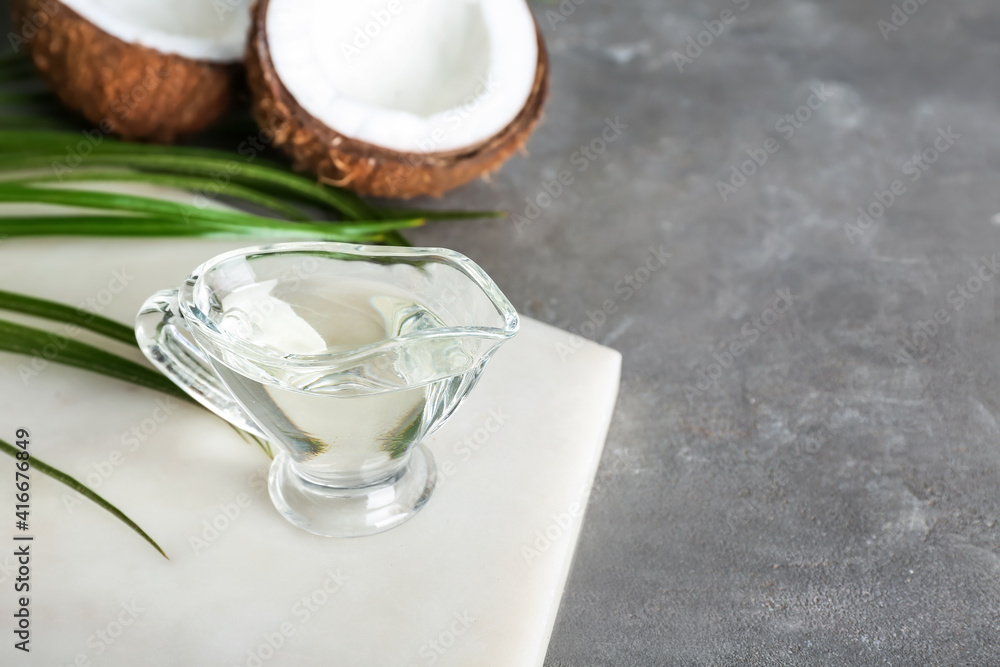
(157, 332)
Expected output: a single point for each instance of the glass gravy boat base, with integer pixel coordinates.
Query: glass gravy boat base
(353, 512)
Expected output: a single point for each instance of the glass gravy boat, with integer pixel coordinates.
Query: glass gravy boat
(344, 357)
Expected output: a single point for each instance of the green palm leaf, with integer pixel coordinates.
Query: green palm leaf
(50, 310)
(80, 488)
(206, 186)
(25, 340)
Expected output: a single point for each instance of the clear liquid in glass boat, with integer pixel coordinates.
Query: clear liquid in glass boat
(327, 425)
(343, 357)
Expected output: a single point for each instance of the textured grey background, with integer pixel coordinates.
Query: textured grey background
(826, 501)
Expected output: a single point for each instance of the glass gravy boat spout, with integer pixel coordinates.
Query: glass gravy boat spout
(343, 356)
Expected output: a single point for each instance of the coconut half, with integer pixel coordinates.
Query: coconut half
(142, 69)
(397, 98)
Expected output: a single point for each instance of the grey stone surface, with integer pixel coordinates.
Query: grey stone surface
(832, 497)
(827, 499)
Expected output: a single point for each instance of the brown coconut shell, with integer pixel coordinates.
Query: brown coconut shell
(365, 168)
(124, 88)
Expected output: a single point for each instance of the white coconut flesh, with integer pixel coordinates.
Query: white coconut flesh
(213, 31)
(422, 76)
